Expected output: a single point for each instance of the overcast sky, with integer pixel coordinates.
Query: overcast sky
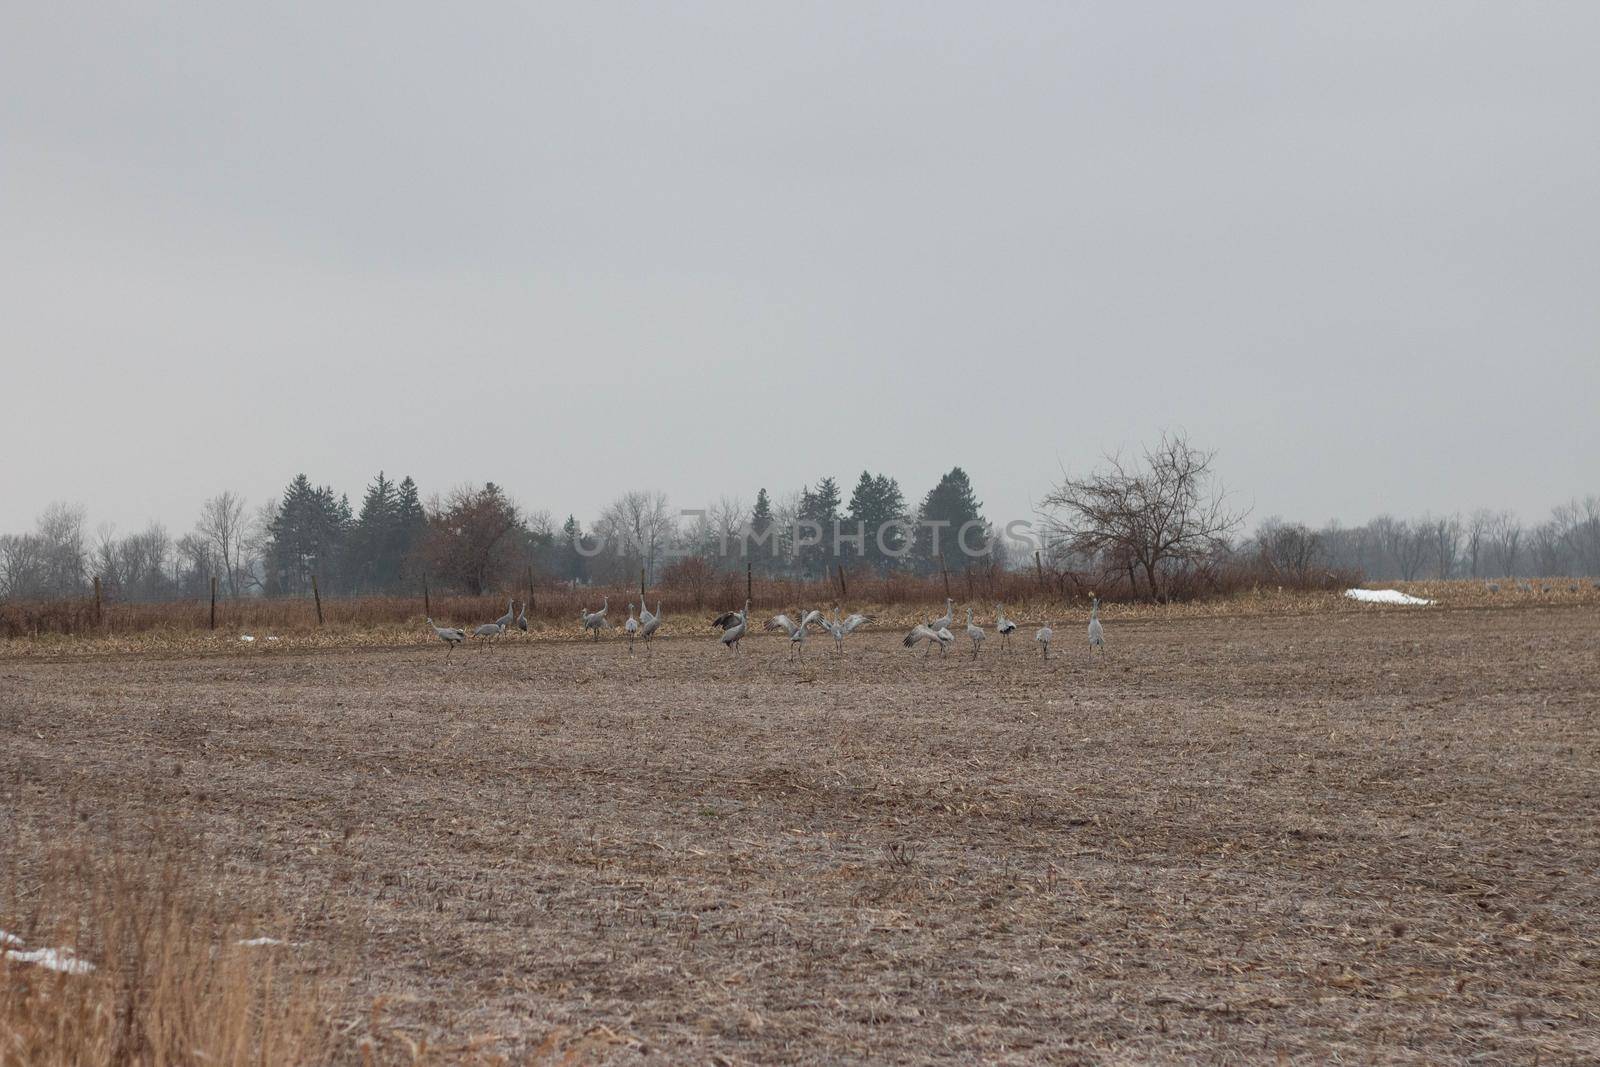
(701, 248)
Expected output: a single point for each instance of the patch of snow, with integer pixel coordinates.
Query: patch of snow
(271, 638)
(52, 959)
(246, 637)
(1384, 596)
(261, 941)
(9, 938)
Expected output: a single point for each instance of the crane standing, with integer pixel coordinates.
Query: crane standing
(1005, 626)
(733, 625)
(1043, 635)
(593, 621)
(1097, 633)
(631, 627)
(450, 635)
(975, 632)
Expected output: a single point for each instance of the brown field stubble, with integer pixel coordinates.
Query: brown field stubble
(1284, 837)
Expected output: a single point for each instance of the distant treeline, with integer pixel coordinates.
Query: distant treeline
(1156, 526)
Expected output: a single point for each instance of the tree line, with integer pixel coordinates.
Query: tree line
(1156, 525)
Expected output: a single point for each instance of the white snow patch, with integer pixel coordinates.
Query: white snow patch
(7, 938)
(246, 637)
(55, 959)
(1384, 596)
(271, 638)
(252, 941)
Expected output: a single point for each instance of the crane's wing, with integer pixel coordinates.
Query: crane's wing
(725, 620)
(856, 621)
(811, 616)
(782, 622)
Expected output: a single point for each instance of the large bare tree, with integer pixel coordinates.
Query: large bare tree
(1164, 513)
(222, 526)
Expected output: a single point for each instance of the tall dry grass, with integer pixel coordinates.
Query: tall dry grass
(169, 984)
(681, 592)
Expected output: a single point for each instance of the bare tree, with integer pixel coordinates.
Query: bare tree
(1478, 538)
(1546, 544)
(222, 526)
(1289, 551)
(1164, 513)
(1505, 542)
(639, 526)
(728, 517)
(1444, 535)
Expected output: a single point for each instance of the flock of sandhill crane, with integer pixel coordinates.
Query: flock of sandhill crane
(735, 624)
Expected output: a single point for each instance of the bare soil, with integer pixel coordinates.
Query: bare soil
(1367, 836)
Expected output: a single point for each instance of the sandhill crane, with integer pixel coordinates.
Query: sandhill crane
(921, 632)
(1494, 587)
(946, 639)
(594, 621)
(975, 632)
(491, 630)
(509, 617)
(733, 625)
(632, 627)
(450, 635)
(1006, 627)
(1523, 586)
(1097, 633)
(796, 631)
(522, 619)
(944, 621)
(841, 627)
(1043, 635)
(649, 624)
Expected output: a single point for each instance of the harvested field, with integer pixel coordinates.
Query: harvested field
(1368, 835)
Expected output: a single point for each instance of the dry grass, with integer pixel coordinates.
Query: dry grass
(288, 626)
(153, 972)
(1348, 833)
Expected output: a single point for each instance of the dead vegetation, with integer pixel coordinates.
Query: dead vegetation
(1349, 833)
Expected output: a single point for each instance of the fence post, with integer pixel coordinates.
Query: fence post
(213, 601)
(844, 594)
(530, 588)
(97, 600)
(747, 595)
(427, 608)
(641, 586)
(317, 596)
(946, 574)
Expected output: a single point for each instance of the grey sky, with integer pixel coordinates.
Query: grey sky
(578, 249)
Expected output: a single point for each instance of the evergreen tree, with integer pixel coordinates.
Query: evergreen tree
(574, 566)
(372, 564)
(821, 507)
(876, 502)
(952, 504)
(410, 526)
(759, 545)
(306, 538)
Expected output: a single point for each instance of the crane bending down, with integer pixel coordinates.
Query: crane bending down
(490, 630)
(839, 628)
(632, 627)
(975, 632)
(594, 621)
(733, 625)
(450, 635)
(1097, 633)
(1043, 635)
(1006, 627)
(649, 624)
(925, 632)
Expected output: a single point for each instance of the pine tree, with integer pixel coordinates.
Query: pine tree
(758, 547)
(953, 504)
(821, 507)
(372, 564)
(877, 502)
(410, 526)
